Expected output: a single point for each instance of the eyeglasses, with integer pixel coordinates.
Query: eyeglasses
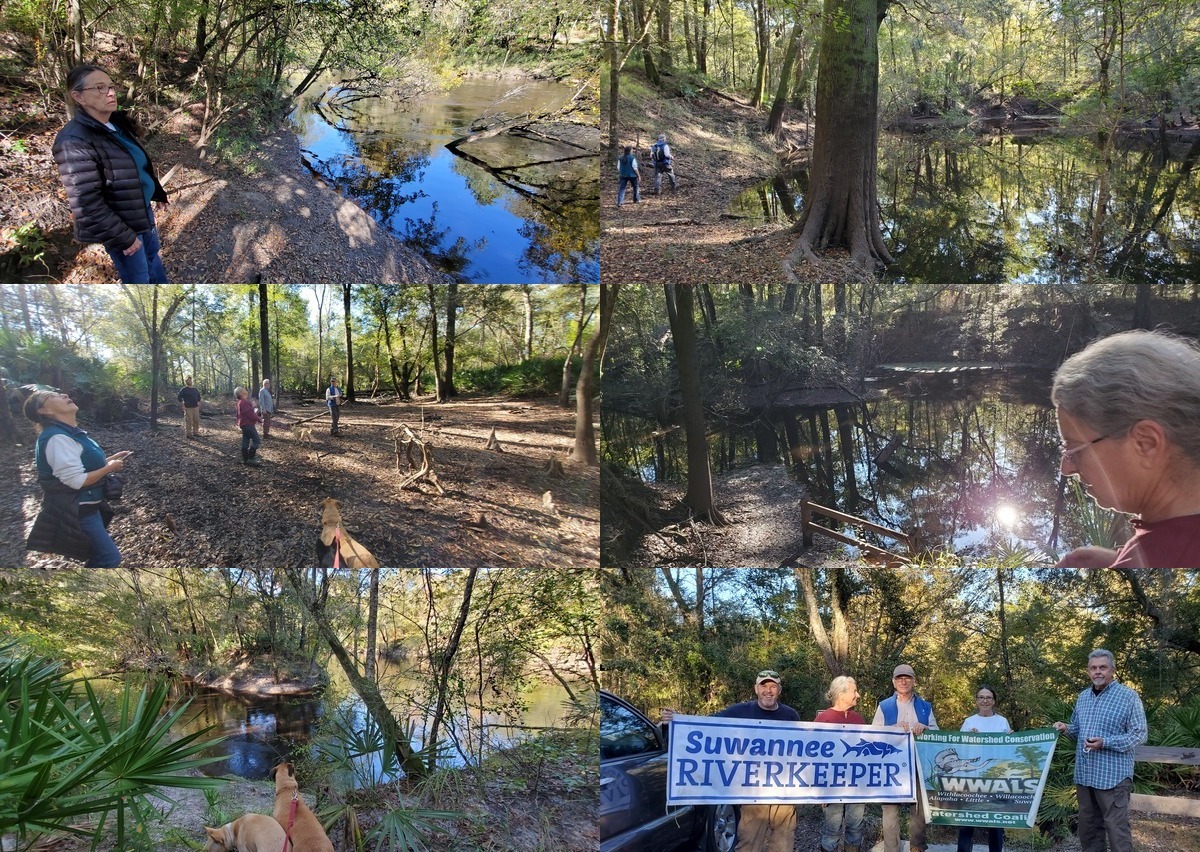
(1071, 452)
(103, 90)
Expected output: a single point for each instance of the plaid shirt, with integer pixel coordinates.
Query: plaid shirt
(1117, 716)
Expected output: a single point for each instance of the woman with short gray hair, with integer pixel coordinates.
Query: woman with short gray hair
(1128, 409)
(842, 695)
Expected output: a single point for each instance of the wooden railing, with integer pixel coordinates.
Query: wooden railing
(808, 527)
(1169, 805)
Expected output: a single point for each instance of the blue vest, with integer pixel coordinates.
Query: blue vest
(891, 711)
(92, 458)
(627, 166)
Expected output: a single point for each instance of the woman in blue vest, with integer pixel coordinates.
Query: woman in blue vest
(71, 468)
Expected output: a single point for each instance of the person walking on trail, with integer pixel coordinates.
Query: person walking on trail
(660, 156)
(628, 173)
(266, 406)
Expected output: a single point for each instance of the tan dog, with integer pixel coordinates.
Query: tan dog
(305, 833)
(249, 833)
(354, 555)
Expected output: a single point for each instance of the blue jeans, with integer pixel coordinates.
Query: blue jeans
(637, 194)
(966, 838)
(334, 412)
(832, 828)
(144, 266)
(104, 550)
(250, 442)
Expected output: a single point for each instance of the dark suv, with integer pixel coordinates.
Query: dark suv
(634, 816)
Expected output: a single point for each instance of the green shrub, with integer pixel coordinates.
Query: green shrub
(64, 756)
(535, 377)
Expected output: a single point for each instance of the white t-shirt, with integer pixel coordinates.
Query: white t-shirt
(994, 724)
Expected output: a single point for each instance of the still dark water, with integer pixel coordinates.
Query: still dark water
(1042, 210)
(261, 732)
(974, 467)
(531, 223)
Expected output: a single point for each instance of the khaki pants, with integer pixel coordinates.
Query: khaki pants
(191, 421)
(1104, 812)
(891, 827)
(767, 828)
(266, 419)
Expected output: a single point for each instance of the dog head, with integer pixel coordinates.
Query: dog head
(285, 779)
(331, 513)
(220, 839)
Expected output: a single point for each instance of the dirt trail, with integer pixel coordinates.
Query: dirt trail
(226, 514)
(268, 216)
(688, 236)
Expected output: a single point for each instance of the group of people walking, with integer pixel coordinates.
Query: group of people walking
(629, 173)
(1108, 723)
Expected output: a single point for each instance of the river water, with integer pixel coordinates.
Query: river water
(261, 732)
(1042, 210)
(532, 223)
(974, 469)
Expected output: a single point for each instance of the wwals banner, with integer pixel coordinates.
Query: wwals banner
(751, 761)
(985, 779)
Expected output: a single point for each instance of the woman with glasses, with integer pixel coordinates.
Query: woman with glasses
(109, 178)
(71, 469)
(1128, 410)
(987, 720)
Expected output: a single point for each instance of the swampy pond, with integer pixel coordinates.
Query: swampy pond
(262, 731)
(1039, 209)
(972, 466)
(516, 209)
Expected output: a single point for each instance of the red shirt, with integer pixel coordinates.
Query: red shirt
(246, 415)
(1173, 543)
(840, 717)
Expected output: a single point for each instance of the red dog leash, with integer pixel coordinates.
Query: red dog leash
(287, 835)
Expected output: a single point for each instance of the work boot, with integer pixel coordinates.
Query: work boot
(253, 462)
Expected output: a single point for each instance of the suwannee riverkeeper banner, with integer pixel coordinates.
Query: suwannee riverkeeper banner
(752, 761)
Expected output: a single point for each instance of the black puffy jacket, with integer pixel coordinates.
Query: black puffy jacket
(102, 181)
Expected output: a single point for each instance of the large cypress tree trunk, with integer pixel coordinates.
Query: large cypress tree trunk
(841, 209)
(775, 119)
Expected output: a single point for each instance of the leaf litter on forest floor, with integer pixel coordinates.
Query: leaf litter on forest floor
(226, 514)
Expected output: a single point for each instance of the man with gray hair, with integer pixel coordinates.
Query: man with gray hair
(664, 163)
(1108, 724)
(266, 406)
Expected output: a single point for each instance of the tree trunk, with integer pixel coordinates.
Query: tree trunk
(775, 119)
(834, 643)
(564, 394)
(664, 35)
(264, 332)
(527, 302)
(614, 73)
(372, 625)
(682, 318)
(349, 384)
(439, 388)
(593, 354)
(367, 690)
(762, 43)
(444, 660)
(451, 331)
(319, 295)
(841, 209)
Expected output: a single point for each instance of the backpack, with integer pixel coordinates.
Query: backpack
(658, 154)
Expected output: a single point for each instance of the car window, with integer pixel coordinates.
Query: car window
(624, 733)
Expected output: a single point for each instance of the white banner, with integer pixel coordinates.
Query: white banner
(753, 761)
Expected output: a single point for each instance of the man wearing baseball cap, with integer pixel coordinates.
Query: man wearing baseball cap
(762, 828)
(765, 828)
(909, 712)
